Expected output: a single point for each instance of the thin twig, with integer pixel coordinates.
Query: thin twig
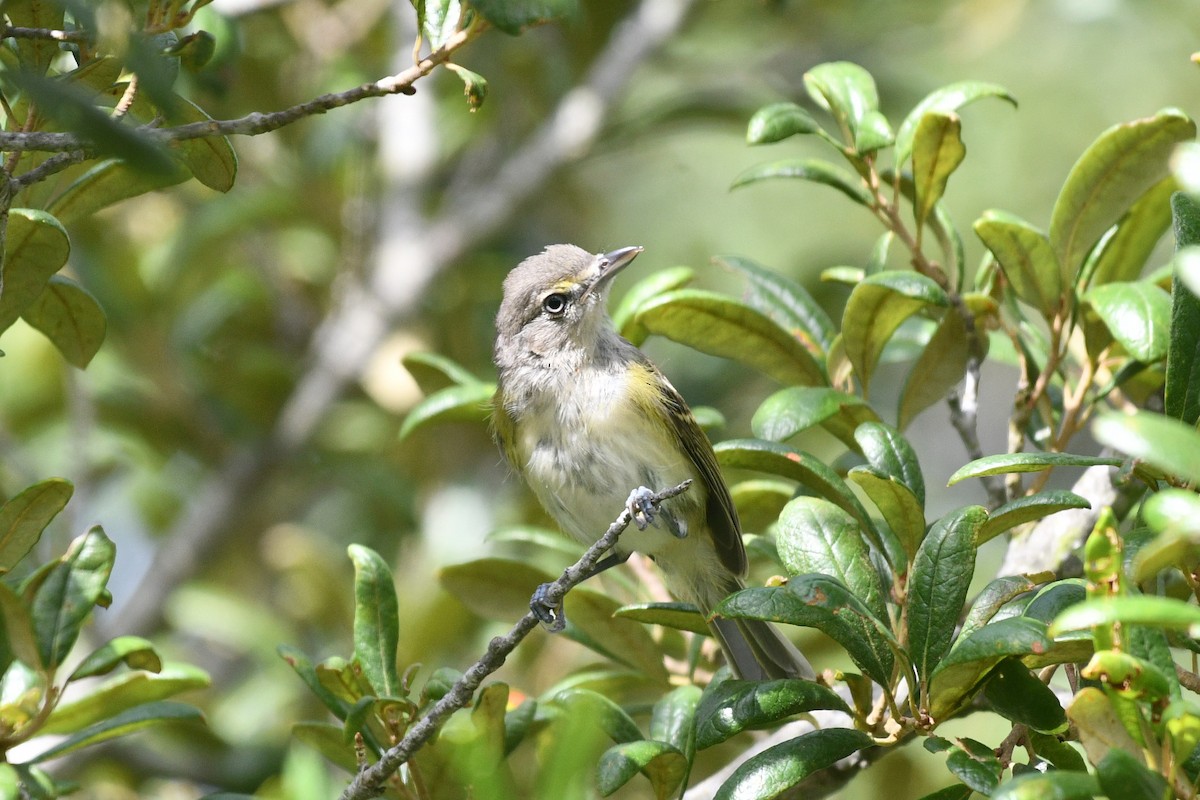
(369, 782)
(17, 32)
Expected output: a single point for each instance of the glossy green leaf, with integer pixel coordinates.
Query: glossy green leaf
(937, 150)
(941, 366)
(876, 308)
(123, 724)
(719, 326)
(1027, 259)
(900, 508)
(1051, 599)
(813, 170)
(1161, 441)
(475, 86)
(1137, 234)
(1108, 178)
(663, 764)
(70, 591)
(975, 764)
(513, 16)
(774, 771)
(494, 588)
(946, 99)
(1014, 693)
(733, 706)
(1138, 315)
(991, 598)
(658, 283)
(124, 692)
(874, 133)
(824, 603)
(1054, 785)
(466, 403)
(109, 182)
(787, 462)
(1004, 463)
(785, 301)
(959, 675)
(433, 371)
(598, 709)
(795, 409)
(814, 535)
(673, 719)
(1097, 724)
(1122, 775)
(26, 515)
(437, 20)
(778, 121)
(1058, 753)
(938, 583)
(680, 616)
(376, 620)
(70, 317)
(886, 449)
(1152, 610)
(1182, 391)
(1027, 509)
(844, 89)
(36, 247)
(132, 651)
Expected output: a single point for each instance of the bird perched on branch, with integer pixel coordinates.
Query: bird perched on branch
(585, 418)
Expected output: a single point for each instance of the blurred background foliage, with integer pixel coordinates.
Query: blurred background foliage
(213, 300)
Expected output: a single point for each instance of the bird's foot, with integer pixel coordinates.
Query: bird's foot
(548, 613)
(641, 507)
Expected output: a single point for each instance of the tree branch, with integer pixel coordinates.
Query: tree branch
(369, 782)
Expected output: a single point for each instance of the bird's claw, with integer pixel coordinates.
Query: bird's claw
(548, 613)
(641, 507)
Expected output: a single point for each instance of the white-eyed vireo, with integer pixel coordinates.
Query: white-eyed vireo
(585, 417)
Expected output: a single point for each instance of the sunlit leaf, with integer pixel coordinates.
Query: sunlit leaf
(1137, 314)
(680, 616)
(937, 151)
(844, 89)
(658, 283)
(785, 301)
(124, 692)
(778, 121)
(1027, 259)
(133, 651)
(376, 620)
(1137, 234)
(732, 706)
(795, 409)
(1026, 509)
(946, 99)
(109, 182)
(813, 170)
(1152, 610)
(26, 515)
(782, 766)
(1005, 463)
(470, 402)
(1167, 443)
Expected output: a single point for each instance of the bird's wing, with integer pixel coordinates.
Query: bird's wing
(722, 516)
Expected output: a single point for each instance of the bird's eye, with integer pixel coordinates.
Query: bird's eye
(555, 304)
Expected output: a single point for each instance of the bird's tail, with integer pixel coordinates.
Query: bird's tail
(756, 650)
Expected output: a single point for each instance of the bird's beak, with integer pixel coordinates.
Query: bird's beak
(609, 264)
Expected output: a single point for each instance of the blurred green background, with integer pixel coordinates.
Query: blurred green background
(215, 302)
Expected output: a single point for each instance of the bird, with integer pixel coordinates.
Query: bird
(591, 425)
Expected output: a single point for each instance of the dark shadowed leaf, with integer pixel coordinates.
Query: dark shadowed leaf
(67, 596)
(663, 764)
(941, 366)
(1122, 775)
(513, 16)
(960, 674)
(601, 711)
(110, 182)
(25, 516)
(680, 616)
(1182, 392)
(1015, 694)
(123, 724)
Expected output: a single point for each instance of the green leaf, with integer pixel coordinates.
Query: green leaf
(942, 365)
(758, 501)
(775, 770)
(673, 719)
(733, 706)
(36, 54)
(1027, 259)
(132, 651)
(70, 591)
(37, 246)
(1137, 234)
(513, 16)
(329, 741)
(1182, 398)
(814, 170)
(976, 765)
(475, 86)
(956, 792)
(844, 89)
(109, 182)
(886, 449)
(591, 622)
(376, 620)
(937, 151)
(824, 603)
(607, 715)
(658, 283)
(1052, 598)
(663, 764)
(122, 724)
(874, 133)
(996, 594)
(1015, 694)
(1151, 610)
(959, 675)
(946, 99)
(1123, 775)
(464, 403)
(814, 535)
(1161, 441)
(1108, 178)
(1054, 785)
(778, 121)
(1027, 509)
(938, 583)
(1138, 315)
(494, 588)
(795, 409)
(1058, 753)
(70, 317)
(796, 465)
(876, 308)
(303, 666)
(1004, 463)
(128, 691)
(211, 159)
(437, 20)
(25, 516)
(719, 326)
(433, 371)
(899, 506)
(785, 301)
(679, 616)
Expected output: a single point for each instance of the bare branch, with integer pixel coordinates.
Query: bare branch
(16, 32)
(369, 782)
